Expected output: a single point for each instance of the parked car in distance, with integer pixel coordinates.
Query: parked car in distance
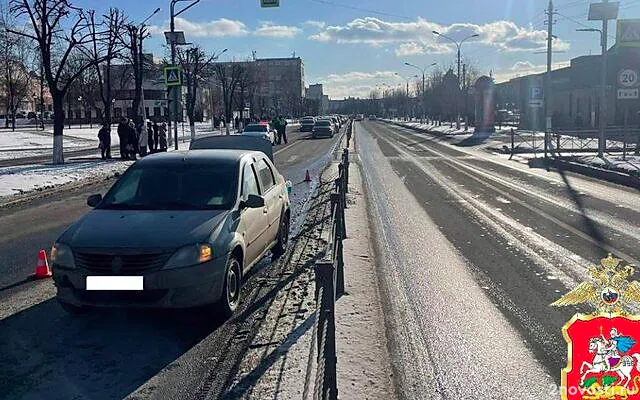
(323, 128)
(372, 117)
(176, 230)
(260, 130)
(306, 124)
(359, 117)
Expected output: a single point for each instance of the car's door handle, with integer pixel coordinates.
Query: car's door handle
(265, 211)
(281, 197)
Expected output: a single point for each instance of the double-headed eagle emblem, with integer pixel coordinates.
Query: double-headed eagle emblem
(609, 289)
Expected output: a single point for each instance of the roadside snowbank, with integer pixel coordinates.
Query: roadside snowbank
(25, 178)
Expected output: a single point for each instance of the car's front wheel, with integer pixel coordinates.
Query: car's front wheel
(230, 298)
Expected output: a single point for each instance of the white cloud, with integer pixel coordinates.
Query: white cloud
(415, 49)
(339, 92)
(216, 28)
(360, 76)
(356, 83)
(417, 37)
(268, 29)
(315, 24)
(522, 68)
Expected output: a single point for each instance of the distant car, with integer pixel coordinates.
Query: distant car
(306, 124)
(359, 117)
(260, 130)
(323, 128)
(176, 230)
(372, 117)
(336, 122)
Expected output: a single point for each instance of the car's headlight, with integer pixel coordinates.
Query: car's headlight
(62, 255)
(192, 254)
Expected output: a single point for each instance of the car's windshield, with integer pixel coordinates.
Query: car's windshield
(174, 187)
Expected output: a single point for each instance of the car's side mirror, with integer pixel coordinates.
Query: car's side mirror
(94, 200)
(253, 201)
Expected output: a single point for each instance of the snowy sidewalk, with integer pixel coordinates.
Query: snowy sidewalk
(364, 370)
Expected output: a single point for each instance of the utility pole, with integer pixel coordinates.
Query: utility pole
(603, 88)
(176, 90)
(547, 80)
(141, 71)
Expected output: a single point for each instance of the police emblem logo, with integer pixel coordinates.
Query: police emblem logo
(603, 359)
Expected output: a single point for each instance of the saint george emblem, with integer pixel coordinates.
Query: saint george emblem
(603, 352)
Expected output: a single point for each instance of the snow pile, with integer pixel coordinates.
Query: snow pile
(25, 178)
(630, 165)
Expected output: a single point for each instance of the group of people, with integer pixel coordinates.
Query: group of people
(280, 125)
(146, 137)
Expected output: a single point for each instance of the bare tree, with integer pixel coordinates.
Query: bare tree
(107, 46)
(46, 20)
(195, 68)
(131, 39)
(15, 57)
(229, 76)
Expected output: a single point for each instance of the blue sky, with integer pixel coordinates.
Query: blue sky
(352, 45)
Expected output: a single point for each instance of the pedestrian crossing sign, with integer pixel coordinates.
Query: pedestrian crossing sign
(172, 76)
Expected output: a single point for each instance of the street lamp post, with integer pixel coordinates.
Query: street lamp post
(141, 62)
(175, 89)
(458, 45)
(424, 94)
(603, 90)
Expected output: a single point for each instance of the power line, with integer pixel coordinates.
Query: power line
(331, 3)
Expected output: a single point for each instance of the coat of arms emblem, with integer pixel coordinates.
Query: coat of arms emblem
(603, 352)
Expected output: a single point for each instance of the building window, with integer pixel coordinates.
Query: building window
(156, 112)
(166, 111)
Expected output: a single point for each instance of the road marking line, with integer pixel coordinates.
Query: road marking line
(287, 147)
(606, 221)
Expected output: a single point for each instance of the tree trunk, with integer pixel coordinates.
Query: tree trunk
(192, 125)
(58, 126)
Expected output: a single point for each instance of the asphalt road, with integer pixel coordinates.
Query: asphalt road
(472, 249)
(45, 353)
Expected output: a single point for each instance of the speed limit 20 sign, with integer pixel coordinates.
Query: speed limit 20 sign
(628, 78)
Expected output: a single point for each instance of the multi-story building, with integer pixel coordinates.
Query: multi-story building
(575, 93)
(263, 87)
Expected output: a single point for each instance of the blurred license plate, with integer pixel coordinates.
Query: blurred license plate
(115, 282)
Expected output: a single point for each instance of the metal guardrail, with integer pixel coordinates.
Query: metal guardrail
(617, 141)
(330, 286)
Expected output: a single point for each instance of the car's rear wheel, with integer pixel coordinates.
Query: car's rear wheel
(283, 237)
(230, 298)
(73, 309)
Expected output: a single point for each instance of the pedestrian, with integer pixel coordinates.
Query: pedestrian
(123, 129)
(156, 128)
(104, 136)
(152, 137)
(237, 123)
(143, 138)
(162, 136)
(132, 140)
(283, 129)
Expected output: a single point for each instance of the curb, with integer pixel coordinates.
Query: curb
(590, 171)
